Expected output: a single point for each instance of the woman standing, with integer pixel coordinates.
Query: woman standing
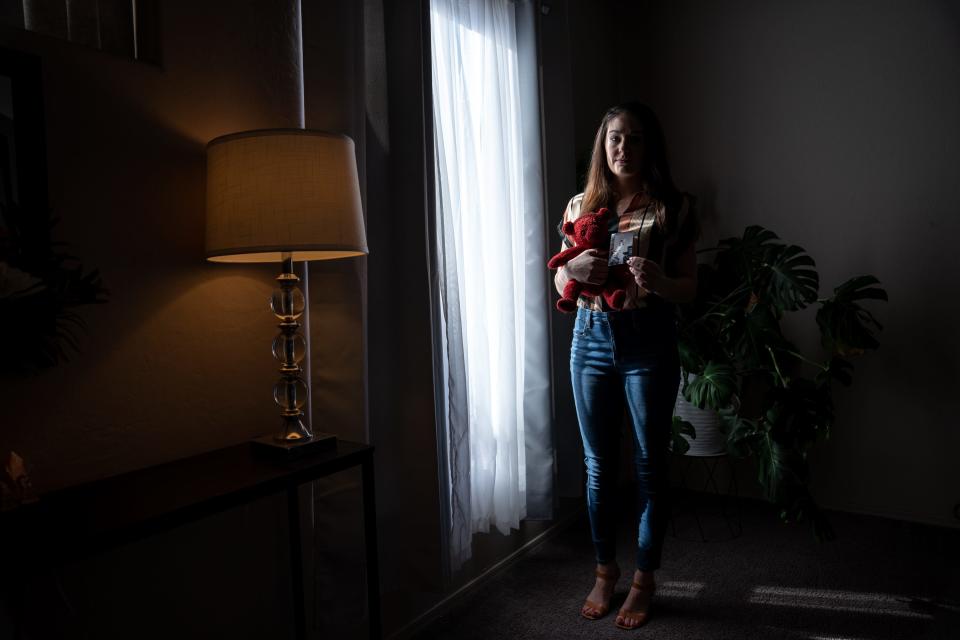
(629, 357)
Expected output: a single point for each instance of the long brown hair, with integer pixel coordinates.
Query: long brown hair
(600, 191)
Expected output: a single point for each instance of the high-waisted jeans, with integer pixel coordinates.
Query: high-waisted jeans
(626, 357)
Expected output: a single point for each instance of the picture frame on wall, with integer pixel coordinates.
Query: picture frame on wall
(24, 209)
(41, 285)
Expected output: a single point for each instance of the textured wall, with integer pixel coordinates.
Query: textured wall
(178, 361)
(834, 124)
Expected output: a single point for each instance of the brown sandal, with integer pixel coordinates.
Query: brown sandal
(639, 616)
(601, 609)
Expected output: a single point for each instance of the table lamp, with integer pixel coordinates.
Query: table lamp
(279, 195)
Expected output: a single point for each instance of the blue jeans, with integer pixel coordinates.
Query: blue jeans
(617, 358)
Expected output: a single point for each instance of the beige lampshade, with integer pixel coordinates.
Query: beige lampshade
(283, 190)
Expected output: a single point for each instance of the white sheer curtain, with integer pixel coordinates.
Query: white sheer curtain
(490, 277)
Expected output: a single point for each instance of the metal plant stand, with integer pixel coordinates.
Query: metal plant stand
(729, 501)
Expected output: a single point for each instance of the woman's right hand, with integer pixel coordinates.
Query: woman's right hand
(589, 267)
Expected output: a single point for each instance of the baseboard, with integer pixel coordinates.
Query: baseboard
(451, 601)
(889, 514)
(876, 511)
(748, 488)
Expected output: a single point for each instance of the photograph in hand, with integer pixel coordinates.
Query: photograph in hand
(622, 246)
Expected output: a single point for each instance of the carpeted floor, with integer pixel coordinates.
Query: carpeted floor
(881, 579)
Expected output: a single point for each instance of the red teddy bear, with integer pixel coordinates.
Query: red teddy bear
(589, 231)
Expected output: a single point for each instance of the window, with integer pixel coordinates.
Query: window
(128, 28)
(491, 284)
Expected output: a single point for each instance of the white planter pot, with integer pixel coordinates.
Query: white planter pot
(710, 441)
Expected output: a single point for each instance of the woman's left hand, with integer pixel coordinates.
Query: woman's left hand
(647, 273)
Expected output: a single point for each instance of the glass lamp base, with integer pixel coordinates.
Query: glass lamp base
(289, 448)
(293, 429)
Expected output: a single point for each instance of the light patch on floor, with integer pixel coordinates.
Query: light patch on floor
(829, 600)
(679, 589)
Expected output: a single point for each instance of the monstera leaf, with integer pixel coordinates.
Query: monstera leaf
(744, 257)
(837, 369)
(846, 328)
(780, 466)
(750, 335)
(681, 428)
(740, 432)
(800, 412)
(794, 281)
(713, 388)
(691, 355)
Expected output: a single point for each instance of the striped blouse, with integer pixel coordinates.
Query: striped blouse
(639, 217)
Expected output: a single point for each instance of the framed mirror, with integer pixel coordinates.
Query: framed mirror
(40, 284)
(24, 212)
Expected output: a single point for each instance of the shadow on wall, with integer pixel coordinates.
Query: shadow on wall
(130, 194)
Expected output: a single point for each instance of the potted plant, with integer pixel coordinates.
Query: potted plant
(774, 403)
(40, 286)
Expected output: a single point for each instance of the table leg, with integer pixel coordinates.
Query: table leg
(370, 538)
(296, 562)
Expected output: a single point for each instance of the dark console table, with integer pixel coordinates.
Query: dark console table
(100, 515)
